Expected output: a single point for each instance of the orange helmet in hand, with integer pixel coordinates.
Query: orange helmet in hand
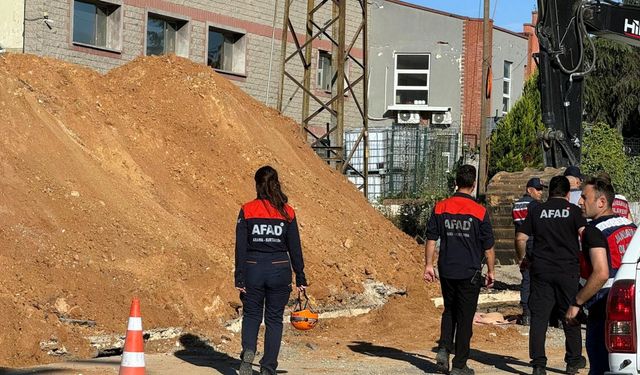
(302, 317)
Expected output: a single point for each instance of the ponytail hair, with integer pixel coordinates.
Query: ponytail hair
(268, 188)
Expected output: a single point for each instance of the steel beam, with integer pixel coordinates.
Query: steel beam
(343, 88)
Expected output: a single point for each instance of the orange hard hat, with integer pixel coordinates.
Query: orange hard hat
(302, 317)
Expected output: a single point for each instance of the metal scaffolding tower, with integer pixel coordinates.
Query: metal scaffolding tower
(341, 85)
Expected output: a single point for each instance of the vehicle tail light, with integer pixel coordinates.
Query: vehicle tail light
(620, 325)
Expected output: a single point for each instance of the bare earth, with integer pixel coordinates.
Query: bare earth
(363, 349)
(128, 184)
(354, 358)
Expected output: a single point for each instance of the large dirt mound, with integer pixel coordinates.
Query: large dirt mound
(129, 184)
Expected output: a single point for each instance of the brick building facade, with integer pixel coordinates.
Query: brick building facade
(251, 30)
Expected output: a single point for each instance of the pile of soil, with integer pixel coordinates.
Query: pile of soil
(129, 184)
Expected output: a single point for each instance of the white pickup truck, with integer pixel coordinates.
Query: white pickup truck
(622, 314)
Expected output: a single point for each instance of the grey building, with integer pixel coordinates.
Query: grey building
(240, 39)
(425, 93)
(509, 61)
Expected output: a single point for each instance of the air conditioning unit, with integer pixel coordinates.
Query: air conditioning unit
(441, 119)
(408, 118)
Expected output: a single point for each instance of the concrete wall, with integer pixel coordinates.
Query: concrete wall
(254, 18)
(397, 28)
(513, 48)
(11, 24)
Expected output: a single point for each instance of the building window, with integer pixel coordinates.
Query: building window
(97, 24)
(506, 87)
(226, 50)
(325, 74)
(412, 79)
(167, 35)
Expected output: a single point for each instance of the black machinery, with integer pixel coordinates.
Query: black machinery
(564, 30)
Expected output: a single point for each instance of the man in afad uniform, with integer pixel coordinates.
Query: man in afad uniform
(466, 237)
(604, 241)
(554, 266)
(532, 196)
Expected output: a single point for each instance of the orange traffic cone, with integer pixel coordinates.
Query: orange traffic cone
(133, 353)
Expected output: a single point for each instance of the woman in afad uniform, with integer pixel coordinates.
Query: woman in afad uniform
(267, 248)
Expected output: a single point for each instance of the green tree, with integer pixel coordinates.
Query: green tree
(603, 150)
(514, 143)
(612, 90)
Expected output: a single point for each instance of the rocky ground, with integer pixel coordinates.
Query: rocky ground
(360, 357)
(330, 349)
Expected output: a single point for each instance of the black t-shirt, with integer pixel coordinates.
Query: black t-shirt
(593, 237)
(554, 225)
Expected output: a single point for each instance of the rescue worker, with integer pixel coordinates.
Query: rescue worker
(621, 207)
(620, 204)
(604, 241)
(554, 269)
(532, 196)
(575, 180)
(267, 247)
(466, 237)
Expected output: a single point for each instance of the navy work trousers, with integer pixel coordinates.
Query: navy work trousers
(595, 342)
(460, 302)
(268, 285)
(525, 288)
(549, 290)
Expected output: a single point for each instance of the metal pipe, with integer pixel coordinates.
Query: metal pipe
(273, 37)
(307, 66)
(283, 51)
(342, 10)
(365, 105)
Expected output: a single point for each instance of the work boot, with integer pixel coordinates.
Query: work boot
(575, 367)
(466, 370)
(266, 371)
(526, 320)
(246, 364)
(442, 359)
(539, 370)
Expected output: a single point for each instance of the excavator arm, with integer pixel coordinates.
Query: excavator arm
(565, 30)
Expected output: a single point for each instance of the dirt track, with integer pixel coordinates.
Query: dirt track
(361, 358)
(130, 183)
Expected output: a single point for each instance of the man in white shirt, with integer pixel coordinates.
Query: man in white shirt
(574, 176)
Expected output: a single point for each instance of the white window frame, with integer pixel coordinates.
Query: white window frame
(508, 81)
(114, 25)
(347, 68)
(397, 72)
(320, 72)
(239, 59)
(182, 36)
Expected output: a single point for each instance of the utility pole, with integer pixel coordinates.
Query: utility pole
(486, 53)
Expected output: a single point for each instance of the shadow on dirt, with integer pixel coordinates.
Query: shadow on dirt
(505, 363)
(420, 361)
(8, 371)
(427, 364)
(198, 352)
(112, 364)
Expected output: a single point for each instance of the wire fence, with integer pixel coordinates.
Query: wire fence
(632, 146)
(405, 161)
